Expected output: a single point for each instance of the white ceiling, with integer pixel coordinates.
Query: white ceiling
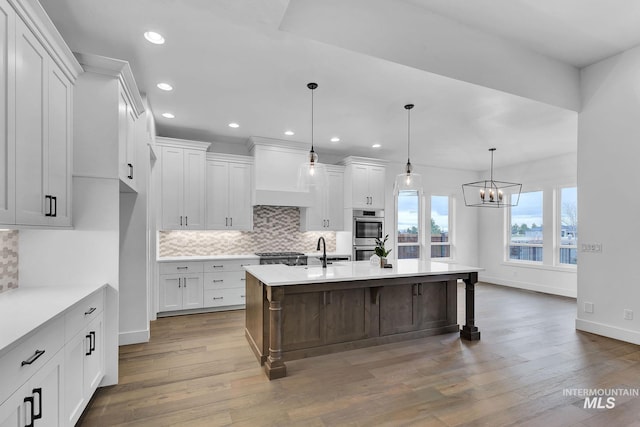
(228, 61)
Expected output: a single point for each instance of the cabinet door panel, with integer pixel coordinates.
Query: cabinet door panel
(376, 187)
(240, 210)
(170, 294)
(192, 291)
(46, 388)
(303, 321)
(59, 145)
(335, 201)
(13, 410)
(433, 305)
(94, 362)
(75, 398)
(130, 174)
(217, 195)
(194, 194)
(31, 90)
(360, 187)
(7, 114)
(398, 309)
(346, 315)
(171, 187)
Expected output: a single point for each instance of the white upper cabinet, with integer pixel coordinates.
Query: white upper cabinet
(228, 191)
(37, 75)
(364, 183)
(107, 123)
(327, 212)
(182, 184)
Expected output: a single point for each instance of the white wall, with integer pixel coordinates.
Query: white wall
(609, 206)
(546, 175)
(443, 182)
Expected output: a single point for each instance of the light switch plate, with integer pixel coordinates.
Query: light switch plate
(588, 307)
(628, 314)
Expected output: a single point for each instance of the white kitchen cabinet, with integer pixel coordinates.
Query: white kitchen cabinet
(127, 163)
(7, 114)
(182, 184)
(327, 212)
(224, 282)
(365, 183)
(39, 402)
(181, 291)
(228, 188)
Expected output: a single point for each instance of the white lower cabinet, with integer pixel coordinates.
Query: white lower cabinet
(84, 362)
(203, 284)
(50, 376)
(39, 402)
(180, 291)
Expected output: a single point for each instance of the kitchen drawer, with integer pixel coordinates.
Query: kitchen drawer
(228, 265)
(225, 279)
(37, 349)
(82, 313)
(180, 267)
(224, 297)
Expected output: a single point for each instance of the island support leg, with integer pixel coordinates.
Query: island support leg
(469, 331)
(274, 366)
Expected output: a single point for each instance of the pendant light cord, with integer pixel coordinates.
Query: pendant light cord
(312, 119)
(408, 135)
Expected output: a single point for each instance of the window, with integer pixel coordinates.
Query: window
(525, 243)
(440, 219)
(568, 229)
(408, 225)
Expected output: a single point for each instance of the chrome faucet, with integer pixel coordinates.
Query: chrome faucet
(324, 251)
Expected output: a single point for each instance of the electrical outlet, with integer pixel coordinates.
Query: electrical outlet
(628, 314)
(588, 307)
(591, 247)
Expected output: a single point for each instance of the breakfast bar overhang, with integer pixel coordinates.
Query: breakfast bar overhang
(298, 312)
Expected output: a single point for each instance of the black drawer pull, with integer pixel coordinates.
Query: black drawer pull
(243, 279)
(182, 268)
(91, 310)
(218, 281)
(215, 298)
(29, 399)
(241, 296)
(33, 358)
(39, 414)
(218, 266)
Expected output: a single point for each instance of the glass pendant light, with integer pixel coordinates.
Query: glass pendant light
(491, 193)
(408, 181)
(311, 173)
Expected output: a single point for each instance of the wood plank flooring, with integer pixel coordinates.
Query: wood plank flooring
(198, 370)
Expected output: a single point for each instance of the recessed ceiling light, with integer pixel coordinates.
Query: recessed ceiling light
(234, 125)
(164, 86)
(168, 116)
(335, 139)
(154, 37)
(376, 146)
(289, 133)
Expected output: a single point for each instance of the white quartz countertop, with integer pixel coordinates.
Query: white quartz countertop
(26, 308)
(345, 271)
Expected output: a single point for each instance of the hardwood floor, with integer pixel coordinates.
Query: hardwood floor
(198, 370)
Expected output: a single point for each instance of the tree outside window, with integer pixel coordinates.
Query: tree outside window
(440, 220)
(568, 238)
(408, 233)
(525, 243)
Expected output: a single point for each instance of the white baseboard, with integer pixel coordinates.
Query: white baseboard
(133, 337)
(608, 331)
(529, 286)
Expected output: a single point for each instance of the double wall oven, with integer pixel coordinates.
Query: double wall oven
(367, 227)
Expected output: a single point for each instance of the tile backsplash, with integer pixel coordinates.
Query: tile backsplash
(275, 229)
(9, 260)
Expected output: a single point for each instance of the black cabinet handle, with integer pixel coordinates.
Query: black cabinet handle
(244, 279)
(91, 310)
(180, 220)
(218, 266)
(419, 288)
(88, 353)
(186, 221)
(241, 296)
(39, 414)
(218, 281)
(55, 205)
(93, 341)
(182, 268)
(215, 298)
(47, 198)
(184, 282)
(33, 358)
(29, 399)
(130, 171)
(179, 282)
(231, 222)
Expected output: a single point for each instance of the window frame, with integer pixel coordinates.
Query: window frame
(449, 242)
(420, 242)
(508, 243)
(558, 246)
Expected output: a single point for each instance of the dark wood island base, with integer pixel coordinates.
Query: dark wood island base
(292, 322)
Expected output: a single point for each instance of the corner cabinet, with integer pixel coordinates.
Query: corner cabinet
(182, 184)
(228, 189)
(35, 120)
(365, 183)
(327, 212)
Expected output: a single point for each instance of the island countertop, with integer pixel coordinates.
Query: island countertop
(343, 271)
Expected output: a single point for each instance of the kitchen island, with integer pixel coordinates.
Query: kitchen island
(303, 311)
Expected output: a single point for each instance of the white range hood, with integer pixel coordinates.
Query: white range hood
(275, 174)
